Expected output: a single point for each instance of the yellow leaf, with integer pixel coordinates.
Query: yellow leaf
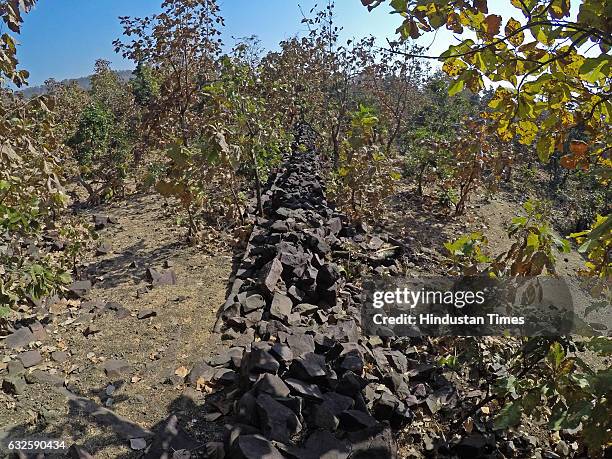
(182, 372)
(516, 38)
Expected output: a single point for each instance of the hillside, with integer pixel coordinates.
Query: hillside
(82, 82)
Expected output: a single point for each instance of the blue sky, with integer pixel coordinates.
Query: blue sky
(63, 38)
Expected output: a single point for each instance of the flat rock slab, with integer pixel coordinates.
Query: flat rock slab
(20, 338)
(30, 358)
(80, 288)
(258, 447)
(116, 368)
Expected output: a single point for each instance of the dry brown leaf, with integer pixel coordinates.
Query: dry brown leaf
(181, 371)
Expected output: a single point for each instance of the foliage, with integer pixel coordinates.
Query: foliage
(551, 85)
(554, 376)
(201, 177)
(256, 132)
(545, 372)
(101, 152)
(31, 195)
(365, 176)
(531, 253)
(177, 48)
(596, 244)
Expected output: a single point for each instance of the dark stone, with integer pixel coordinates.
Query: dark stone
(78, 452)
(295, 293)
(247, 409)
(334, 225)
(226, 376)
(257, 447)
(38, 331)
(158, 278)
(101, 221)
(323, 418)
(282, 352)
(80, 288)
(15, 368)
(201, 372)
(20, 338)
(385, 406)
(252, 303)
(103, 248)
(116, 368)
(273, 385)
(327, 276)
(337, 403)
(146, 313)
(421, 372)
(351, 384)
(271, 274)
(397, 360)
(309, 366)
(30, 358)
(281, 306)
(420, 390)
(324, 445)
(353, 362)
(373, 443)
(304, 389)
(260, 361)
(306, 308)
(59, 356)
(352, 420)
(278, 422)
(375, 243)
(44, 377)
(475, 445)
(300, 344)
(14, 385)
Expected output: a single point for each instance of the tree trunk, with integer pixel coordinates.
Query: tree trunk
(257, 184)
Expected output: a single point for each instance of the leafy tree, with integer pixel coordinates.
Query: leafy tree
(551, 85)
(31, 193)
(102, 152)
(179, 47)
(242, 109)
(365, 176)
(102, 142)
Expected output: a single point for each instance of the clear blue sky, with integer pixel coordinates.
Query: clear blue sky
(63, 38)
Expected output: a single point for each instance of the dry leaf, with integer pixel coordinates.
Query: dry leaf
(182, 372)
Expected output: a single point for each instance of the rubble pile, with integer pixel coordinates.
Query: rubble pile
(310, 383)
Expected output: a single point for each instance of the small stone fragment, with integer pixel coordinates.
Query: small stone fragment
(116, 368)
(30, 358)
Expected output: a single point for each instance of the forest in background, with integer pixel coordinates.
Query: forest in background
(205, 130)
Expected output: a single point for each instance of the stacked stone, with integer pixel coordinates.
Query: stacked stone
(311, 385)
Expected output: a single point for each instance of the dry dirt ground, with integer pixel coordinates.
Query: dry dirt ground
(102, 412)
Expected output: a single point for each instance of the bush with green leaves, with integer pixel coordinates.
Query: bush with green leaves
(365, 176)
(101, 151)
(547, 379)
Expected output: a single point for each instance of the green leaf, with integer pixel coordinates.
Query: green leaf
(509, 415)
(555, 354)
(456, 87)
(595, 69)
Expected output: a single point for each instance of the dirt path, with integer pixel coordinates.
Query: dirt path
(178, 334)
